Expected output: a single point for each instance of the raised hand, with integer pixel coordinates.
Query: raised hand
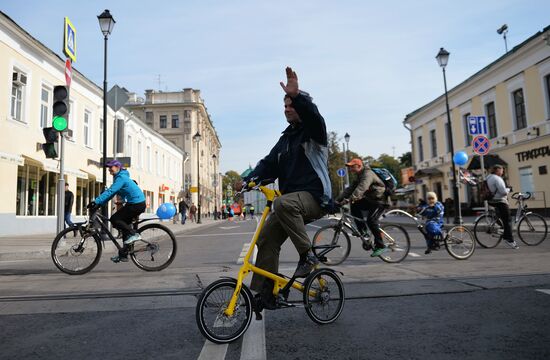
(291, 87)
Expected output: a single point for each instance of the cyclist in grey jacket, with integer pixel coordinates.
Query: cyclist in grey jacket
(497, 186)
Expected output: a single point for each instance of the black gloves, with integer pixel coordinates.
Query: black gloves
(92, 206)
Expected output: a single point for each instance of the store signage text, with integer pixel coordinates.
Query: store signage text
(533, 153)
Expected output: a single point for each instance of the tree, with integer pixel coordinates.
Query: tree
(392, 164)
(231, 177)
(405, 160)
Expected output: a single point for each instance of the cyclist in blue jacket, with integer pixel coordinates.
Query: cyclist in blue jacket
(433, 211)
(132, 195)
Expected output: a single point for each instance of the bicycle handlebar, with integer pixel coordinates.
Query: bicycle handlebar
(519, 195)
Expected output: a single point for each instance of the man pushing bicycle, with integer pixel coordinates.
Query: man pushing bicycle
(300, 161)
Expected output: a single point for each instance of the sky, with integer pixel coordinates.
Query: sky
(367, 64)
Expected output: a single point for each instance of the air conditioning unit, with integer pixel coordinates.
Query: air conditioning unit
(19, 79)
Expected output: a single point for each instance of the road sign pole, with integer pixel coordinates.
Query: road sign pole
(483, 177)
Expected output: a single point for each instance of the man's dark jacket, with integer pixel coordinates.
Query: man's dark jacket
(69, 198)
(300, 158)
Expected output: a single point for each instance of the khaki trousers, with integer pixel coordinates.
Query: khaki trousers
(291, 212)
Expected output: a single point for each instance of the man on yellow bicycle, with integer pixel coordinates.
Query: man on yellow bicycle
(300, 161)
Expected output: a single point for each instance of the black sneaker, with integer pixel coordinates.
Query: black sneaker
(306, 264)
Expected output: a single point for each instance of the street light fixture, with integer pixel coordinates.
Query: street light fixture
(197, 138)
(106, 24)
(346, 150)
(442, 59)
(503, 30)
(214, 157)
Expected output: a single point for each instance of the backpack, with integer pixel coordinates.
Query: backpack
(485, 192)
(388, 179)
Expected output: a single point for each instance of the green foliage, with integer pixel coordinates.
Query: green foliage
(231, 177)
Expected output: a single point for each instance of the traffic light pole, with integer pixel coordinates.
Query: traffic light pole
(61, 185)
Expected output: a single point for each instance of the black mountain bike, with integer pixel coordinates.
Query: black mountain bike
(77, 249)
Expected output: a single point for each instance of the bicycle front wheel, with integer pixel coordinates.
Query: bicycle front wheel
(75, 253)
(460, 242)
(212, 321)
(156, 249)
(488, 231)
(323, 296)
(396, 239)
(532, 229)
(331, 235)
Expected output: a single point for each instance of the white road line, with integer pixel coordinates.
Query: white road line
(211, 351)
(414, 254)
(228, 227)
(315, 226)
(545, 291)
(253, 346)
(246, 247)
(226, 234)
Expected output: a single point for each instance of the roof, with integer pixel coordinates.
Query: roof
(428, 172)
(514, 50)
(247, 172)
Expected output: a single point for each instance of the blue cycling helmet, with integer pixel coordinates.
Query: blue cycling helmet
(433, 229)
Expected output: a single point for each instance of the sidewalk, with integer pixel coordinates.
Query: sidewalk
(39, 246)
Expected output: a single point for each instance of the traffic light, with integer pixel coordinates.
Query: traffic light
(50, 147)
(60, 107)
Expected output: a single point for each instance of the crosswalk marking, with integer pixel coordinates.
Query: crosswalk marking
(211, 351)
(545, 291)
(414, 254)
(228, 227)
(245, 249)
(253, 346)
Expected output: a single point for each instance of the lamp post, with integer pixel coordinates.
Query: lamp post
(346, 150)
(197, 138)
(215, 183)
(442, 59)
(106, 24)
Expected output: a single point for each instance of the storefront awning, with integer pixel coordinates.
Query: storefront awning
(407, 189)
(430, 172)
(488, 161)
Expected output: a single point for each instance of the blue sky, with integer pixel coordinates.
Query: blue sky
(366, 63)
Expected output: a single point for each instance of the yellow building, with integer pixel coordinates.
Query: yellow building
(513, 93)
(28, 180)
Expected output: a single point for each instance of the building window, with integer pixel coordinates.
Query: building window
(526, 179)
(420, 149)
(139, 157)
(163, 121)
(491, 120)
(45, 107)
(187, 127)
(157, 162)
(433, 143)
(149, 118)
(82, 196)
(187, 115)
(519, 109)
(467, 136)
(87, 119)
(129, 146)
(163, 166)
(70, 121)
(175, 121)
(148, 158)
(18, 84)
(101, 135)
(29, 191)
(547, 83)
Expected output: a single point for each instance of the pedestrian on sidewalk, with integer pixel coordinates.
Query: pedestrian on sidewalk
(69, 200)
(498, 188)
(193, 213)
(182, 207)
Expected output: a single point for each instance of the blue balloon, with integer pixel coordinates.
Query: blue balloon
(166, 211)
(460, 158)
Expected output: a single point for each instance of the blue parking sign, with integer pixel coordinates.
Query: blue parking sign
(477, 125)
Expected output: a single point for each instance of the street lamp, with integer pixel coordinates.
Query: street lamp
(214, 157)
(346, 150)
(106, 24)
(197, 138)
(442, 59)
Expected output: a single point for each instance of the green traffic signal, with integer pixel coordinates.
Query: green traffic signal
(59, 123)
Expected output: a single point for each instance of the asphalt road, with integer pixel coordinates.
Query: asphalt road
(431, 307)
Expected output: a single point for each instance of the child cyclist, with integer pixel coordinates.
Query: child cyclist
(433, 211)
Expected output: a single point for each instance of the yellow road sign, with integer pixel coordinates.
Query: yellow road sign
(193, 189)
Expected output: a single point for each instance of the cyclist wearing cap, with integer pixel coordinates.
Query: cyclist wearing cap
(366, 195)
(130, 192)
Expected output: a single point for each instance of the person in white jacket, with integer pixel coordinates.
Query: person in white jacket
(500, 203)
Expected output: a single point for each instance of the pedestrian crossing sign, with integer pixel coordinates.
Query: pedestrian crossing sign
(69, 40)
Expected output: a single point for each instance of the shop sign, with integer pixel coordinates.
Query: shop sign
(533, 153)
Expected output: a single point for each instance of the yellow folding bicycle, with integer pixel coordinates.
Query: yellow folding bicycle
(224, 308)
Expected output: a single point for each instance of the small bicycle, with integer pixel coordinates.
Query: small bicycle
(531, 228)
(224, 308)
(458, 240)
(396, 239)
(77, 249)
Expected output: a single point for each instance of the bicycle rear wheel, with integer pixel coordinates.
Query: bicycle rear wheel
(332, 235)
(324, 296)
(156, 249)
(488, 231)
(460, 242)
(532, 229)
(396, 239)
(212, 321)
(75, 254)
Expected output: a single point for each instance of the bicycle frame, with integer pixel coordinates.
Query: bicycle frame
(247, 267)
